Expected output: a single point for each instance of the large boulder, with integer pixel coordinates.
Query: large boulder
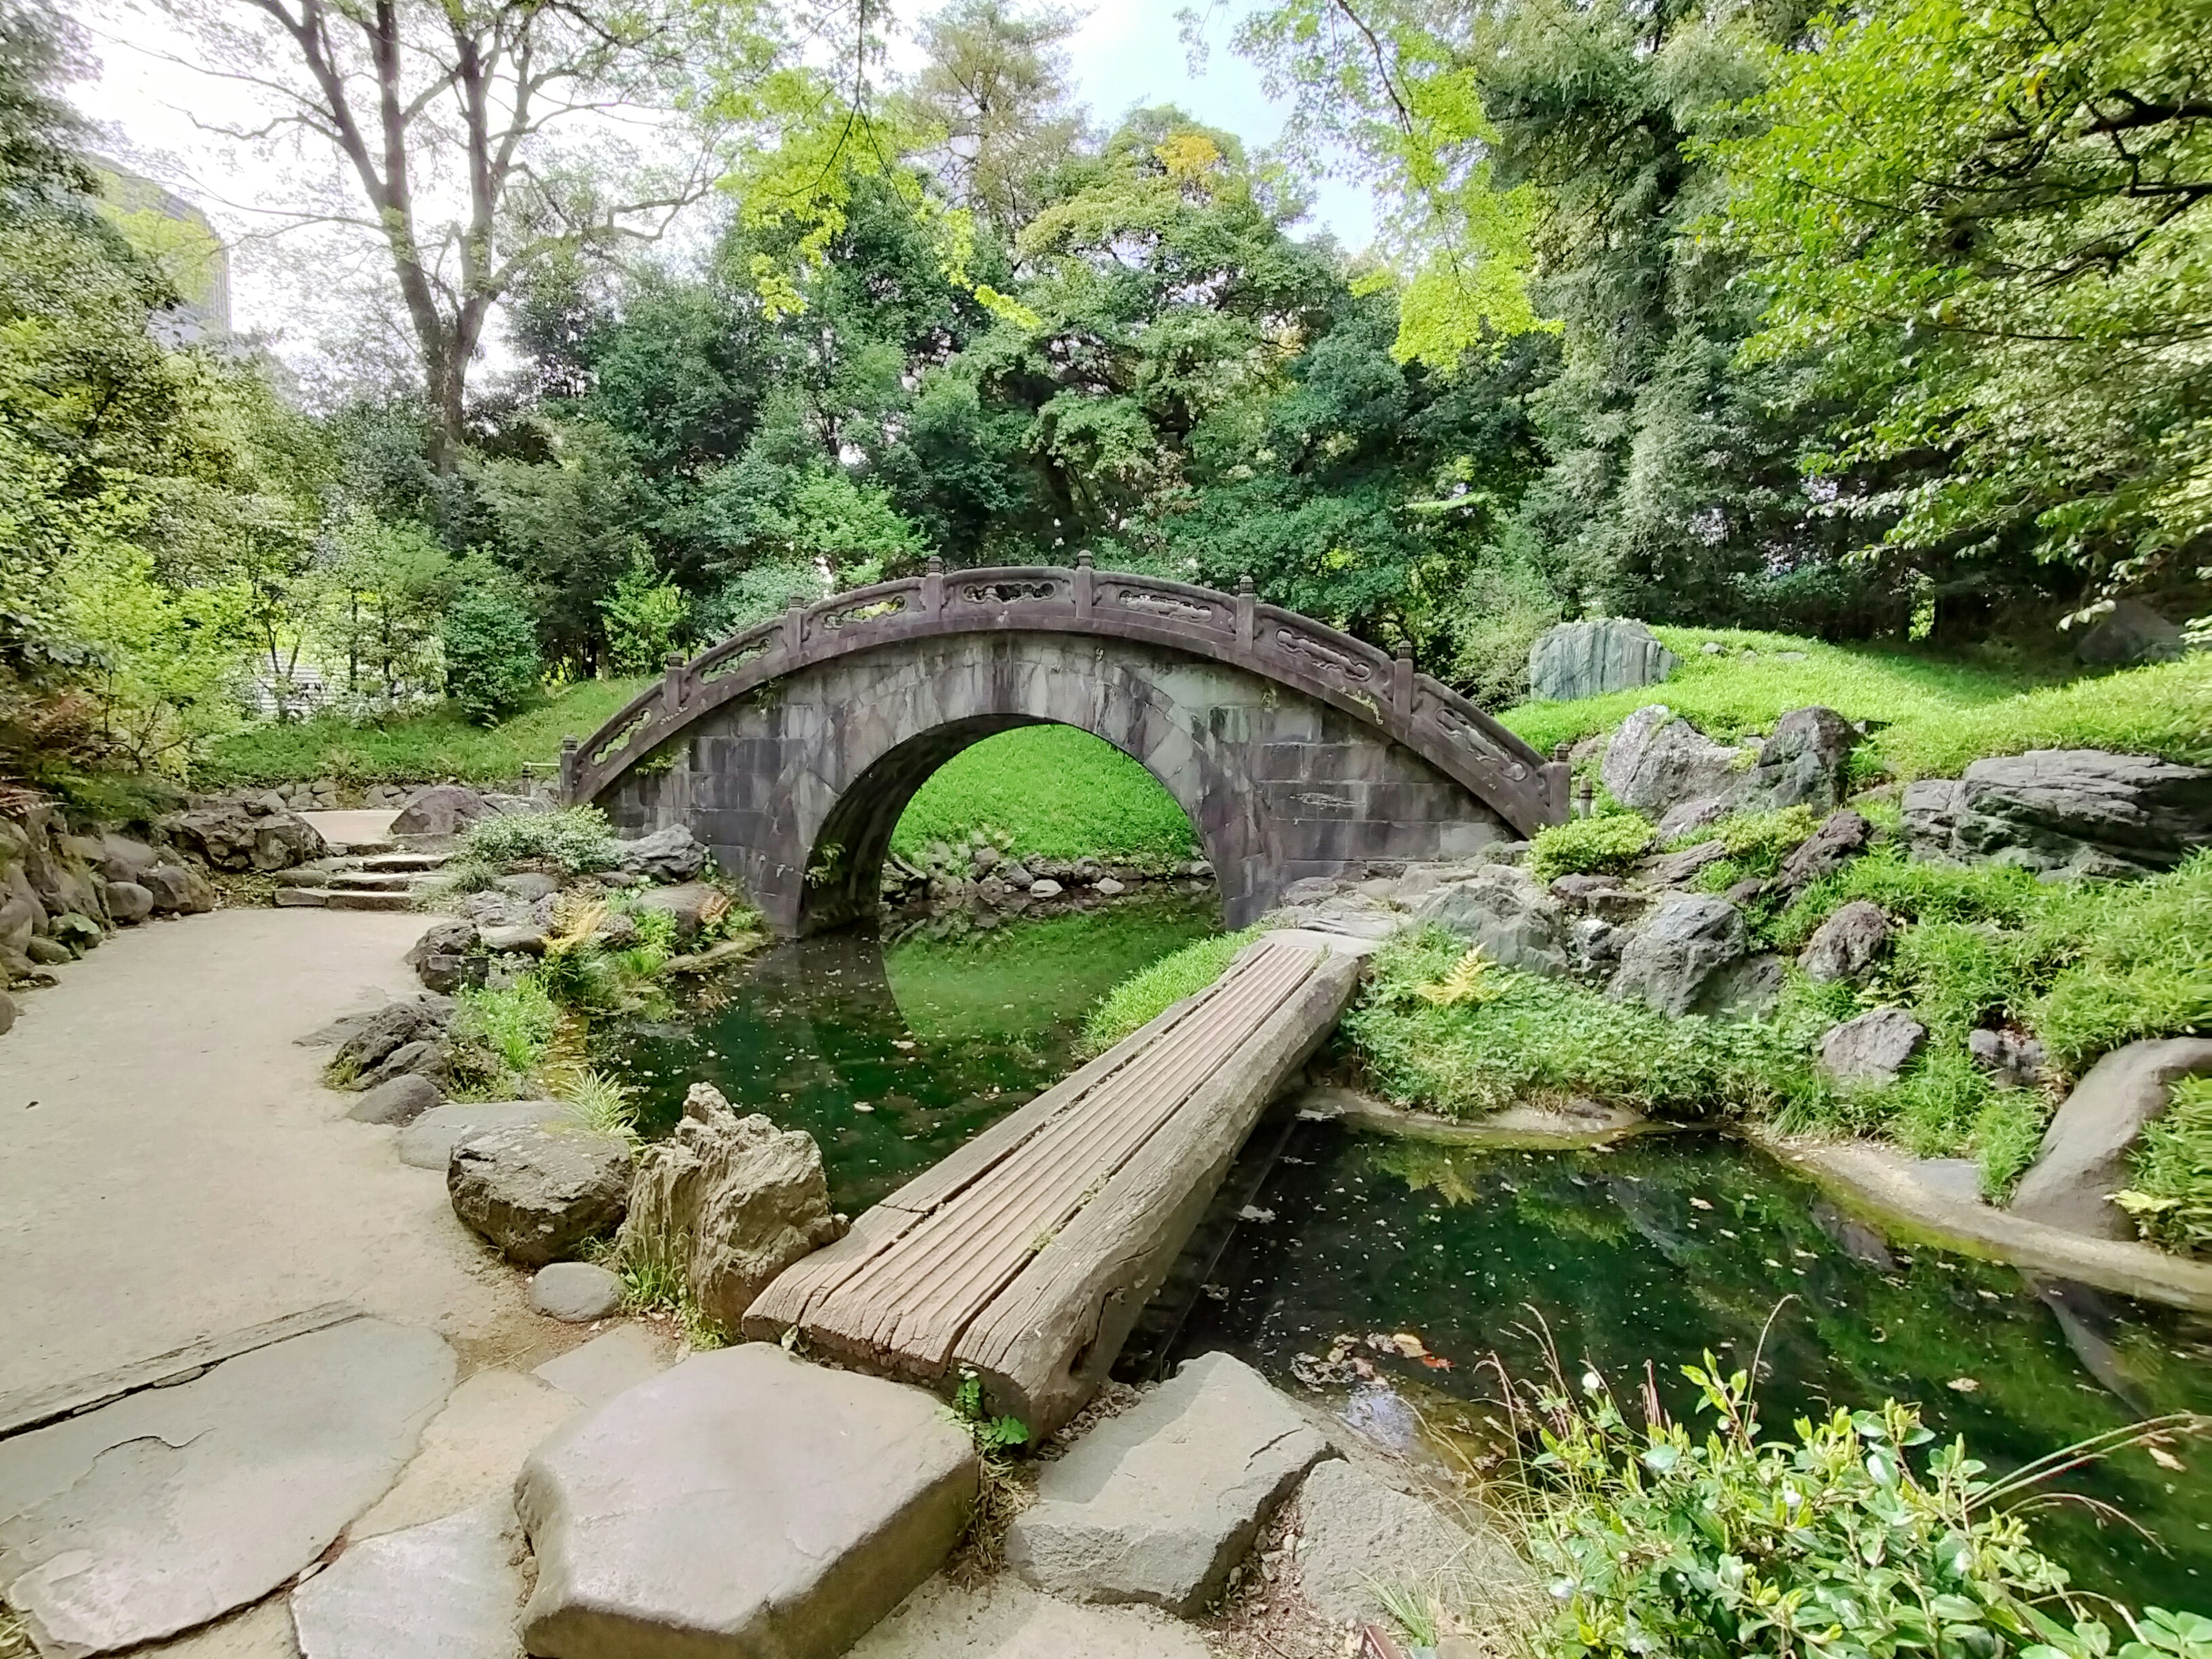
(1588, 659)
(1657, 760)
(1872, 1051)
(1802, 764)
(1846, 944)
(428, 1142)
(20, 918)
(246, 835)
(178, 889)
(742, 1504)
(2130, 632)
(1158, 1504)
(729, 1202)
(122, 858)
(1685, 959)
(691, 903)
(1507, 912)
(442, 811)
(673, 854)
(2064, 813)
(128, 902)
(2084, 1157)
(539, 1191)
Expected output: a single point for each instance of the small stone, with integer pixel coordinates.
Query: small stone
(1673, 869)
(1107, 887)
(128, 902)
(400, 1101)
(48, 953)
(1687, 818)
(1745, 892)
(1158, 1504)
(744, 1504)
(2013, 1058)
(527, 938)
(1044, 888)
(1873, 1050)
(538, 1191)
(1016, 876)
(1846, 944)
(528, 885)
(449, 1589)
(1712, 649)
(575, 1292)
(1841, 837)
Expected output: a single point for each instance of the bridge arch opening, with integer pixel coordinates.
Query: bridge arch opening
(844, 871)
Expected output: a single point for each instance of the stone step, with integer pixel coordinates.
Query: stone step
(342, 898)
(370, 881)
(384, 858)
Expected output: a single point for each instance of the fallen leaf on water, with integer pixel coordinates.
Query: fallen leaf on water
(1699, 1204)
(2164, 1459)
(1963, 1384)
(1409, 1345)
(1436, 1362)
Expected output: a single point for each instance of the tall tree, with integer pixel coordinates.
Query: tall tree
(993, 100)
(481, 138)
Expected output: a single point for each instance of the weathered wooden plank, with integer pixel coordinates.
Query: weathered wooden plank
(1046, 1342)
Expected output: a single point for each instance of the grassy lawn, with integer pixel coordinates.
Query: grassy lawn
(1935, 715)
(435, 744)
(1061, 794)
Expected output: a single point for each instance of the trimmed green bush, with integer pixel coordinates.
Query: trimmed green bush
(1608, 844)
(492, 664)
(576, 840)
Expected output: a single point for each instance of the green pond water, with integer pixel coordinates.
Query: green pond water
(1658, 1250)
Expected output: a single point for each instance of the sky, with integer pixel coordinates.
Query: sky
(1128, 53)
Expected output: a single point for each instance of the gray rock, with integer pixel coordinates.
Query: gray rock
(728, 1202)
(1675, 962)
(49, 953)
(493, 908)
(1657, 760)
(673, 854)
(1841, 837)
(1599, 895)
(424, 1058)
(128, 902)
(1675, 869)
(575, 1293)
(1044, 888)
(122, 858)
(1748, 989)
(448, 938)
(1743, 892)
(20, 918)
(1594, 947)
(7, 1013)
(1846, 944)
(538, 1191)
(1107, 887)
(448, 1589)
(1686, 817)
(2064, 813)
(1959, 1179)
(527, 938)
(2130, 632)
(594, 1372)
(1873, 1050)
(384, 1032)
(2083, 1160)
(1588, 659)
(442, 809)
(178, 889)
(2014, 1059)
(528, 885)
(400, 1101)
(1802, 764)
(689, 903)
(1506, 912)
(428, 1142)
(1358, 1536)
(173, 1505)
(246, 836)
(1158, 1504)
(740, 1506)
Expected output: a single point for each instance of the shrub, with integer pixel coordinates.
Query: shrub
(2172, 1196)
(499, 1036)
(492, 664)
(1144, 995)
(1659, 1542)
(577, 840)
(1606, 845)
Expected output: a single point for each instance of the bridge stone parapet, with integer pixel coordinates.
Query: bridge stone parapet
(791, 749)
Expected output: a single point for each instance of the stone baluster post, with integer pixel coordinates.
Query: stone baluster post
(1247, 605)
(794, 623)
(933, 587)
(571, 763)
(671, 684)
(1401, 679)
(1083, 584)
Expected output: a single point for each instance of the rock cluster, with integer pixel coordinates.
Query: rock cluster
(1661, 765)
(2064, 813)
(728, 1202)
(61, 893)
(980, 876)
(258, 833)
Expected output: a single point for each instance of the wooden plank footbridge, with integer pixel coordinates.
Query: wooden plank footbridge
(1027, 1255)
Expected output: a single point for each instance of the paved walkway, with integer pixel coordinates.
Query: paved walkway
(171, 1168)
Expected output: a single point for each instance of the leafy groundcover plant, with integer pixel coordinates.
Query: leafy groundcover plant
(1833, 1543)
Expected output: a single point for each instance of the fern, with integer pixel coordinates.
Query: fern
(1472, 979)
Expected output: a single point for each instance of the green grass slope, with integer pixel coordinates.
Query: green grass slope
(1060, 792)
(1935, 715)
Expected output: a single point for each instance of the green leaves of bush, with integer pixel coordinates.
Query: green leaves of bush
(1607, 845)
(576, 840)
(492, 664)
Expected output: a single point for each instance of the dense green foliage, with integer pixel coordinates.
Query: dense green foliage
(1059, 794)
(492, 664)
(1608, 844)
(574, 841)
(1152, 991)
(1847, 1539)
(2170, 1196)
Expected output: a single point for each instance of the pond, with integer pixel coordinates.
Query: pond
(893, 1056)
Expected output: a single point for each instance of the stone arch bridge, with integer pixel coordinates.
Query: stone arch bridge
(790, 749)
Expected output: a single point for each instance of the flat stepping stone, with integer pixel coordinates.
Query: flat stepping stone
(428, 1142)
(398, 1100)
(1358, 1537)
(576, 1293)
(1158, 1505)
(742, 1505)
(448, 1587)
(174, 1505)
(603, 1367)
(471, 1451)
(1003, 1618)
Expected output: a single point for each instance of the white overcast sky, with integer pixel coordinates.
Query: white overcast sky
(1128, 54)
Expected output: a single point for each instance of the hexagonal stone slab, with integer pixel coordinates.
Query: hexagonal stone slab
(1158, 1504)
(744, 1505)
(173, 1505)
(448, 1587)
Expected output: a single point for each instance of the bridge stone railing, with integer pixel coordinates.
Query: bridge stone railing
(1410, 708)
